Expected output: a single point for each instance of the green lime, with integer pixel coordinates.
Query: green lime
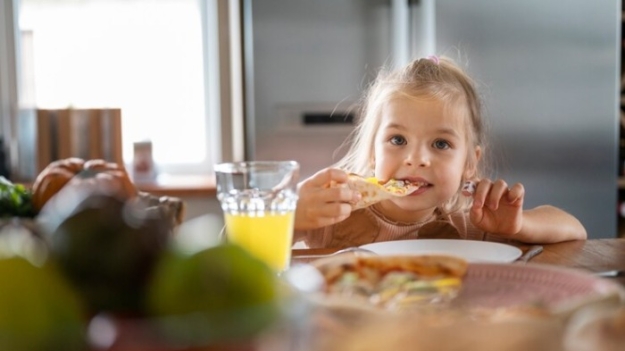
(219, 293)
(38, 309)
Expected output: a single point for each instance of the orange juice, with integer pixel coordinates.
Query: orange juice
(267, 236)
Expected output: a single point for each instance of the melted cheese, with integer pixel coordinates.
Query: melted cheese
(397, 186)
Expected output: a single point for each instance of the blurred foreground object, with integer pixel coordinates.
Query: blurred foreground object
(216, 297)
(450, 331)
(171, 208)
(15, 200)
(597, 328)
(105, 245)
(39, 310)
(221, 293)
(98, 173)
(96, 176)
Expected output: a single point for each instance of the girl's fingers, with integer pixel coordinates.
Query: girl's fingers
(339, 195)
(335, 210)
(489, 194)
(481, 191)
(496, 193)
(321, 205)
(516, 193)
(330, 213)
(319, 186)
(327, 176)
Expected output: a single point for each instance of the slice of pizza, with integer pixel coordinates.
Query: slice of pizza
(394, 282)
(373, 190)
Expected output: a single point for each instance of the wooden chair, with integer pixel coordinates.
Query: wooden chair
(84, 133)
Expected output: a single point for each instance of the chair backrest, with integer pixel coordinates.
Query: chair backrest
(85, 133)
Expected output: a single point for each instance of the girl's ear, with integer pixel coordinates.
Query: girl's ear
(471, 168)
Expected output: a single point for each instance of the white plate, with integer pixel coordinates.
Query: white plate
(470, 250)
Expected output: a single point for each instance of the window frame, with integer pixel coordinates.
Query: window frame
(9, 79)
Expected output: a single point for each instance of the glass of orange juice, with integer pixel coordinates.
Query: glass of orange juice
(258, 199)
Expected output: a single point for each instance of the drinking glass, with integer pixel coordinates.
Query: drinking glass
(258, 199)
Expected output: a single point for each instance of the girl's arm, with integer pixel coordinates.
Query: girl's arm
(548, 224)
(498, 209)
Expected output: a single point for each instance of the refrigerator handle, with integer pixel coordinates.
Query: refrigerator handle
(400, 32)
(422, 30)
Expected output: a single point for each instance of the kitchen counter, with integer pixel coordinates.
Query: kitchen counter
(180, 186)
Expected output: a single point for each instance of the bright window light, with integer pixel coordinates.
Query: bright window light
(143, 56)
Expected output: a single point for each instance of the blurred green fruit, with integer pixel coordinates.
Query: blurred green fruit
(219, 293)
(38, 309)
(107, 248)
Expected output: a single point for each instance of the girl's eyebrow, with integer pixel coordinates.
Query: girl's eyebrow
(395, 126)
(446, 131)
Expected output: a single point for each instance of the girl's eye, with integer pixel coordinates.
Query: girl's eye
(397, 140)
(441, 144)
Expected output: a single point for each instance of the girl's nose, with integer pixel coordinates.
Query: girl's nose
(418, 158)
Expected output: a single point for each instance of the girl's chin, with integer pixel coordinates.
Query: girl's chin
(410, 203)
(405, 209)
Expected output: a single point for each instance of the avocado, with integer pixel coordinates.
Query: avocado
(107, 247)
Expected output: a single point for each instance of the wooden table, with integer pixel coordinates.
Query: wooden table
(592, 255)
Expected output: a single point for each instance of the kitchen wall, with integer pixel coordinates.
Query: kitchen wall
(301, 64)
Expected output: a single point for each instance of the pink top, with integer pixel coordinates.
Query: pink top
(368, 225)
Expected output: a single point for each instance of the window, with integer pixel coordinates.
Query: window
(157, 60)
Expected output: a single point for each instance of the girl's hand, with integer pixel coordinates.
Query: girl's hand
(319, 205)
(498, 209)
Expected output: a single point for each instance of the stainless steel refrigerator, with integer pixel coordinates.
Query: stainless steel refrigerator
(548, 70)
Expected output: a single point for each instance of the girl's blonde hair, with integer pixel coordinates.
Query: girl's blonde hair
(432, 77)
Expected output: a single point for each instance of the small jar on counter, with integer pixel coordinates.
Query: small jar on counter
(143, 169)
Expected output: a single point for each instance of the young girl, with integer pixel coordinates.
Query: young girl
(423, 123)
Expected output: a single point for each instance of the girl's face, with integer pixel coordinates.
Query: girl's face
(420, 140)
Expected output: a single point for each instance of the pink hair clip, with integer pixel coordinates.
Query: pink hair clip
(468, 188)
(434, 59)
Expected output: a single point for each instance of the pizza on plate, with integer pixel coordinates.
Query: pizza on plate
(393, 282)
